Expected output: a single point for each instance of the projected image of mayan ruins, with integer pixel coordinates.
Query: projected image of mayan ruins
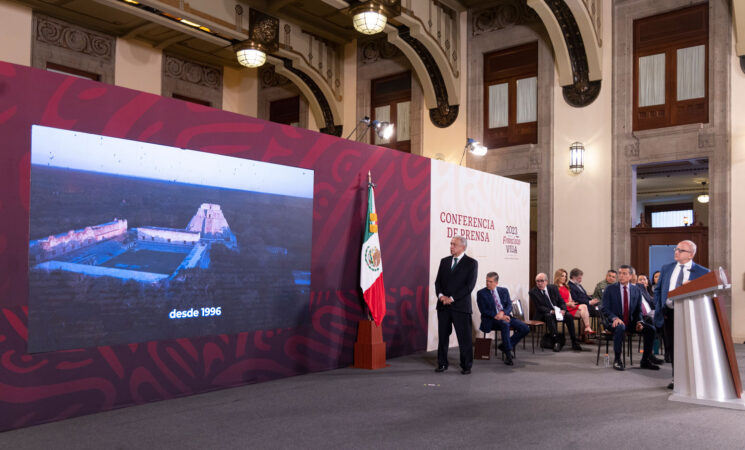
(145, 253)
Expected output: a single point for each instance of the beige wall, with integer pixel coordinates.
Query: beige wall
(349, 75)
(582, 203)
(138, 66)
(449, 141)
(240, 91)
(737, 271)
(15, 33)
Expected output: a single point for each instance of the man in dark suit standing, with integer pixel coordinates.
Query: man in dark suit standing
(545, 297)
(495, 305)
(672, 276)
(455, 281)
(622, 308)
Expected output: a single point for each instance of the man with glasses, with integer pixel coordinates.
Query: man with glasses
(672, 276)
(546, 298)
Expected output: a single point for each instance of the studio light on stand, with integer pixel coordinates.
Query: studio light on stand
(474, 147)
(576, 158)
(369, 18)
(383, 130)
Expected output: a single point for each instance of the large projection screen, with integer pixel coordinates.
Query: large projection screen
(132, 242)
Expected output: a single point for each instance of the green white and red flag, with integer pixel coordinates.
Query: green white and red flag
(371, 271)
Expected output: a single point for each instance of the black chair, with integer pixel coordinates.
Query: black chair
(607, 336)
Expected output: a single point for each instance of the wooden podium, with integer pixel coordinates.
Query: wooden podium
(706, 371)
(369, 350)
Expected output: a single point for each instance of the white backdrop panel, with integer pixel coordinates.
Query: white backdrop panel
(493, 213)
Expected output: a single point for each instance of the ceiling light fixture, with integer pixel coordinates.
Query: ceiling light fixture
(250, 54)
(369, 18)
(704, 197)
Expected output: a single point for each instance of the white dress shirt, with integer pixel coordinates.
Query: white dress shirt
(674, 278)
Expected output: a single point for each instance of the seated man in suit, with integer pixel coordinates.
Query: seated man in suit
(622, 308)
(496, 315)
(545, 297)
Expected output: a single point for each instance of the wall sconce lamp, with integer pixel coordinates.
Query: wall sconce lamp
(474, 147)
(384, 130)
(704, 197)
(369, 18)
(250, 54)
(576, 158)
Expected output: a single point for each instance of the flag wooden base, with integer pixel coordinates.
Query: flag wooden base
(369, 350)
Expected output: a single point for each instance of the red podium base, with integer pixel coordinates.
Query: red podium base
(369, 350)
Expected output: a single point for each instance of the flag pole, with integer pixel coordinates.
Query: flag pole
(370, 184)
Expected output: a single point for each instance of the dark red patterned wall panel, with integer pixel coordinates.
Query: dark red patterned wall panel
(51, 386)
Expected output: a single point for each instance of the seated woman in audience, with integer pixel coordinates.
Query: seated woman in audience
(645, 288)
(653, 282)
(573, 308)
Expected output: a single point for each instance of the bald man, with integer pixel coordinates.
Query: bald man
(672, 276)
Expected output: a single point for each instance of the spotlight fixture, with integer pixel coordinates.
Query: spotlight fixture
(369, 18)
(576, 158)
(384, 130)
(474, 147)
(250, 54)
(704, 197)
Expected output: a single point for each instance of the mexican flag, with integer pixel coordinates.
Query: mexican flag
(371, 270)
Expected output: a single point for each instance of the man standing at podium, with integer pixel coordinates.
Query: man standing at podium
(672, 276)
(456, 278)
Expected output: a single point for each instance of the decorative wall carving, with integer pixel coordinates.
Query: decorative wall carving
(263, 29)
(444, 114)
(583, 91)
(503, 15)
(270, 78)
(192, 79)
(192, 72)
(76, 39)
(328, 116)
(57, 42)
(706, 139)
(595, 10)
(375, 49)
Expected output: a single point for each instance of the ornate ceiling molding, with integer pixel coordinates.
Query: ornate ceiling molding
(319, 103)
(436, 95)
(570, 51)
(501, 16)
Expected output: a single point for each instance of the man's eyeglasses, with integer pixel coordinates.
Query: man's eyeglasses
(540, 281)
(682, 250)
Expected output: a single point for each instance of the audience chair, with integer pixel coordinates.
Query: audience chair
(536, 326)
(607, 336)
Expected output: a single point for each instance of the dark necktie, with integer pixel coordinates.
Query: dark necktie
(679, 280)
(455, 262)
(545, 294)
(626, 305)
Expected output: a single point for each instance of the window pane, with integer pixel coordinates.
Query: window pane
(498, 105)
(382, 114)
(672, 218)
(652, 80)
(403, 114)
(527, 93)
(691, 72)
